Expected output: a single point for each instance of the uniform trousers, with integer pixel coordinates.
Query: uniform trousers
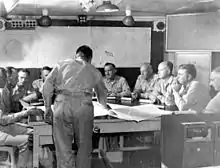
(73, 120)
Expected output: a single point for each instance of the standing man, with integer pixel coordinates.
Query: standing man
(73, 81)
(214, 105)
(193, 95)
(117, 86)
(11, 133)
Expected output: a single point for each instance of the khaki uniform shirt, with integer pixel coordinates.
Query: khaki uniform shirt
(145, 86)
(195, 97)
(119, 85)
(73, 76)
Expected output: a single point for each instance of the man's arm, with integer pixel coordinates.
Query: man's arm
(137, 86)
(48, 87)
(5, 116)
(6, 119)
(125, 88)
(213, 106)
(156, 93)
(188, 100)
(101, 93)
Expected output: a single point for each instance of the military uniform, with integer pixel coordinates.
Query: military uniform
(73, 81)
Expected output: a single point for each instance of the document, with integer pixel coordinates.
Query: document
(138, 113)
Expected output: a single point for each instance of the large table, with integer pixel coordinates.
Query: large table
(43, 133)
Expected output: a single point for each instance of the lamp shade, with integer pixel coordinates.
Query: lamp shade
(128, 21)
(107, 6)
(45, 21)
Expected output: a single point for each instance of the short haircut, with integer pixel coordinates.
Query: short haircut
(25, 70)
(8, 71)
(3, 71)
(87, 51)
(169, 65)
(46, 68)
(190, 69)
(110, 64)
(146, 64)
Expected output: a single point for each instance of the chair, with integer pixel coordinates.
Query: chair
(10, 160)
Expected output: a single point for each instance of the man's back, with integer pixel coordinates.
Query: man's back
(74, 76)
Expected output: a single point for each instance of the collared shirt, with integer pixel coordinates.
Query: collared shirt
(214, 105)
(119, 86)
(6, 115)
(18, 93)
(73, 76)
(161, 91)
(37, 84)
(194, 96)
(145, 86)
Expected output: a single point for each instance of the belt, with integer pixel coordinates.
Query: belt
(74, 94)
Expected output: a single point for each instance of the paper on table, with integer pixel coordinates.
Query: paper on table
(138, 113)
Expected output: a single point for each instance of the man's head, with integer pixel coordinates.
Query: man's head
(165, 69)
(215, 79)
(23, 75)
(45, 72)
(11, 75)
(2, 77)
(186, 73)
(110, 70)
(146, 70)
(85, 53)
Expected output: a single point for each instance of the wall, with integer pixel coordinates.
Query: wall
(190, 32)
(131, 73)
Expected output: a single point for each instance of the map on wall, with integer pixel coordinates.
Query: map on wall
(126, 47)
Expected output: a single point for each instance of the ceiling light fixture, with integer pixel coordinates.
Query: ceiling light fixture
(107, 6)
(128, 20)
(45, 20)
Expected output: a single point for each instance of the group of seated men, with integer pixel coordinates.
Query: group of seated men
(176, 93)
(14, 130)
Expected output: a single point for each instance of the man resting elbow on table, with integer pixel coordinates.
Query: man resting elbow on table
(145, 82)
(193, 95)
(11, 132)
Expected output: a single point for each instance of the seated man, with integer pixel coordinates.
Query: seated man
(145, 82)
(161, 90)
(37, 84)
(115, 85)
(214, 105)
(193, 95)
(11, 132)
(21, 91)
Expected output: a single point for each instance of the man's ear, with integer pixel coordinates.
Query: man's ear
(190, 77)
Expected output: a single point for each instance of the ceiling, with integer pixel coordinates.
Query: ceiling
(138, 7)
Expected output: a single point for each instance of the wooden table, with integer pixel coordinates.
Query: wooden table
(43, 132)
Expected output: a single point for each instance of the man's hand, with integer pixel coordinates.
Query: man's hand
(134, 95)
(48, 117)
